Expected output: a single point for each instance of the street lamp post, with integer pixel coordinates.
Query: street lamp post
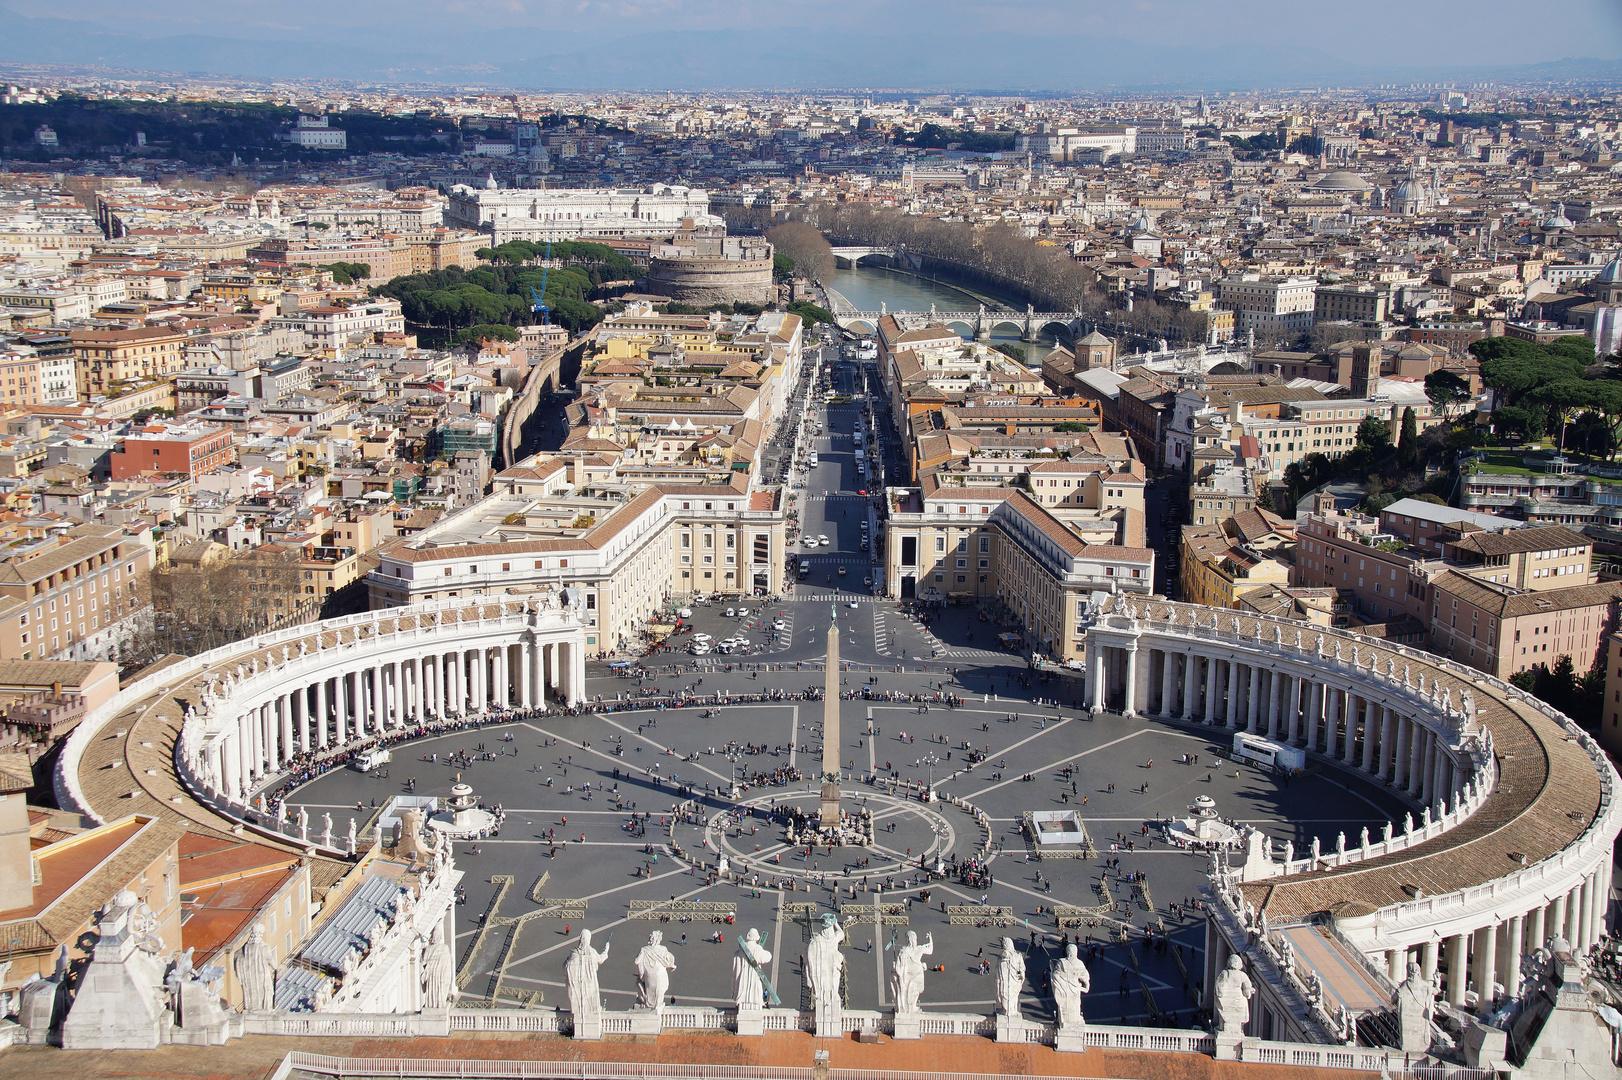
(930, 761)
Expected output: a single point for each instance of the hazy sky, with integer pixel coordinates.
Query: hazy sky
(1386, 32)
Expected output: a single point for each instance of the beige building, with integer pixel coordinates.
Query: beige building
(107, 358)
(622, 557)
(1501, 630)
(69, 594)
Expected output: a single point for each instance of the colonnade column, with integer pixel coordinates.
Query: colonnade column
(1512, 961)
(1208, 714)
(1095, 674)
(1275, 698)
(1427, 768)
(1456, 975)
(577, 673)
(1400, 768)
(266, 726)
(1486, 961)
(1314, 711)
(231, 768)
(1230, 710)
(1191, 689)
(1129, 707)
(1168, 673)
(1253, 707)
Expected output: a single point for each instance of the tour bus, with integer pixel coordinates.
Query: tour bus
(1268, 754)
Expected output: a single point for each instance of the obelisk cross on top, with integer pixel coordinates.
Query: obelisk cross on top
(831, 746)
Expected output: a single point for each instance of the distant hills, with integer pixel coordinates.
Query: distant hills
(527, 58)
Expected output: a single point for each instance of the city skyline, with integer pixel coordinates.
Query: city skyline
(1032, 45)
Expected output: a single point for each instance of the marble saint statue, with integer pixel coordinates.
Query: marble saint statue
(1010, 978)
(748, 972)
(580, 974)
(907, 975)
(653, 967)
(824, 965)
(438, 972)
(256, 972)
(1071, 982)
(1416, 1001)
(1233, 993)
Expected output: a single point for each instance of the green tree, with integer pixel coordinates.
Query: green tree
(1408, 442)
(782, 266)
(1515, 424)
(1446, 391)
(1374, 433)
(810, 314)
(1562, 401)
(477, 335)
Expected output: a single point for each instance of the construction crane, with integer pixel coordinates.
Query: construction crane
(539, 306)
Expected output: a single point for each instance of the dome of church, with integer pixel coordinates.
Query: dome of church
(1341, 180)
(1610, 273)
(1408, 189)
(1559, 221)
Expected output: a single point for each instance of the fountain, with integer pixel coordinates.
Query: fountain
(1202, 828)
(462, 819)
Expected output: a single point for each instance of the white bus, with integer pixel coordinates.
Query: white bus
(1268, 754)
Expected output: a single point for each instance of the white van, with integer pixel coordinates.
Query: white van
(367, 760)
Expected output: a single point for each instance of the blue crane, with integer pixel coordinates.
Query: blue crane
(539, 306)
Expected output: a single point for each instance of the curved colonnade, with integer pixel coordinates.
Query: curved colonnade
(235, 719)
(1515, 811)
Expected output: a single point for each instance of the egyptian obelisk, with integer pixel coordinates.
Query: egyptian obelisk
(831, 747)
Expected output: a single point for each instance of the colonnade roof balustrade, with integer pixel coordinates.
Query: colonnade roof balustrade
(1554, 787)
(121, 759)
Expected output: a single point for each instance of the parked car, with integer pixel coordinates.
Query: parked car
(730, 612)
(779, 625)
(822, 540)
(684, 613)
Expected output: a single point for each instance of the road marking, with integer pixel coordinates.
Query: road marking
(1052, 765)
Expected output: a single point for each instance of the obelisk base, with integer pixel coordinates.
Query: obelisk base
(830, 806)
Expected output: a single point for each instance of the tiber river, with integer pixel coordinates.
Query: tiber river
(867, 287)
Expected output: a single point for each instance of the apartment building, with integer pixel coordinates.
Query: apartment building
(104, 359)
(71, 595)
(1047, 573)
(1218, 569)
(1269, 304)
(1536, 558)
(21, 379)
(191, 449)
(1383, 576)
(1501, 630)
(1356, 303)
(330, 328)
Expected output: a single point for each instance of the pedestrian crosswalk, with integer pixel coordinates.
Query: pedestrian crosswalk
(839, 598)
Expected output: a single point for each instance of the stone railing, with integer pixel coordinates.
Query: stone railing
(1250, 1051)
